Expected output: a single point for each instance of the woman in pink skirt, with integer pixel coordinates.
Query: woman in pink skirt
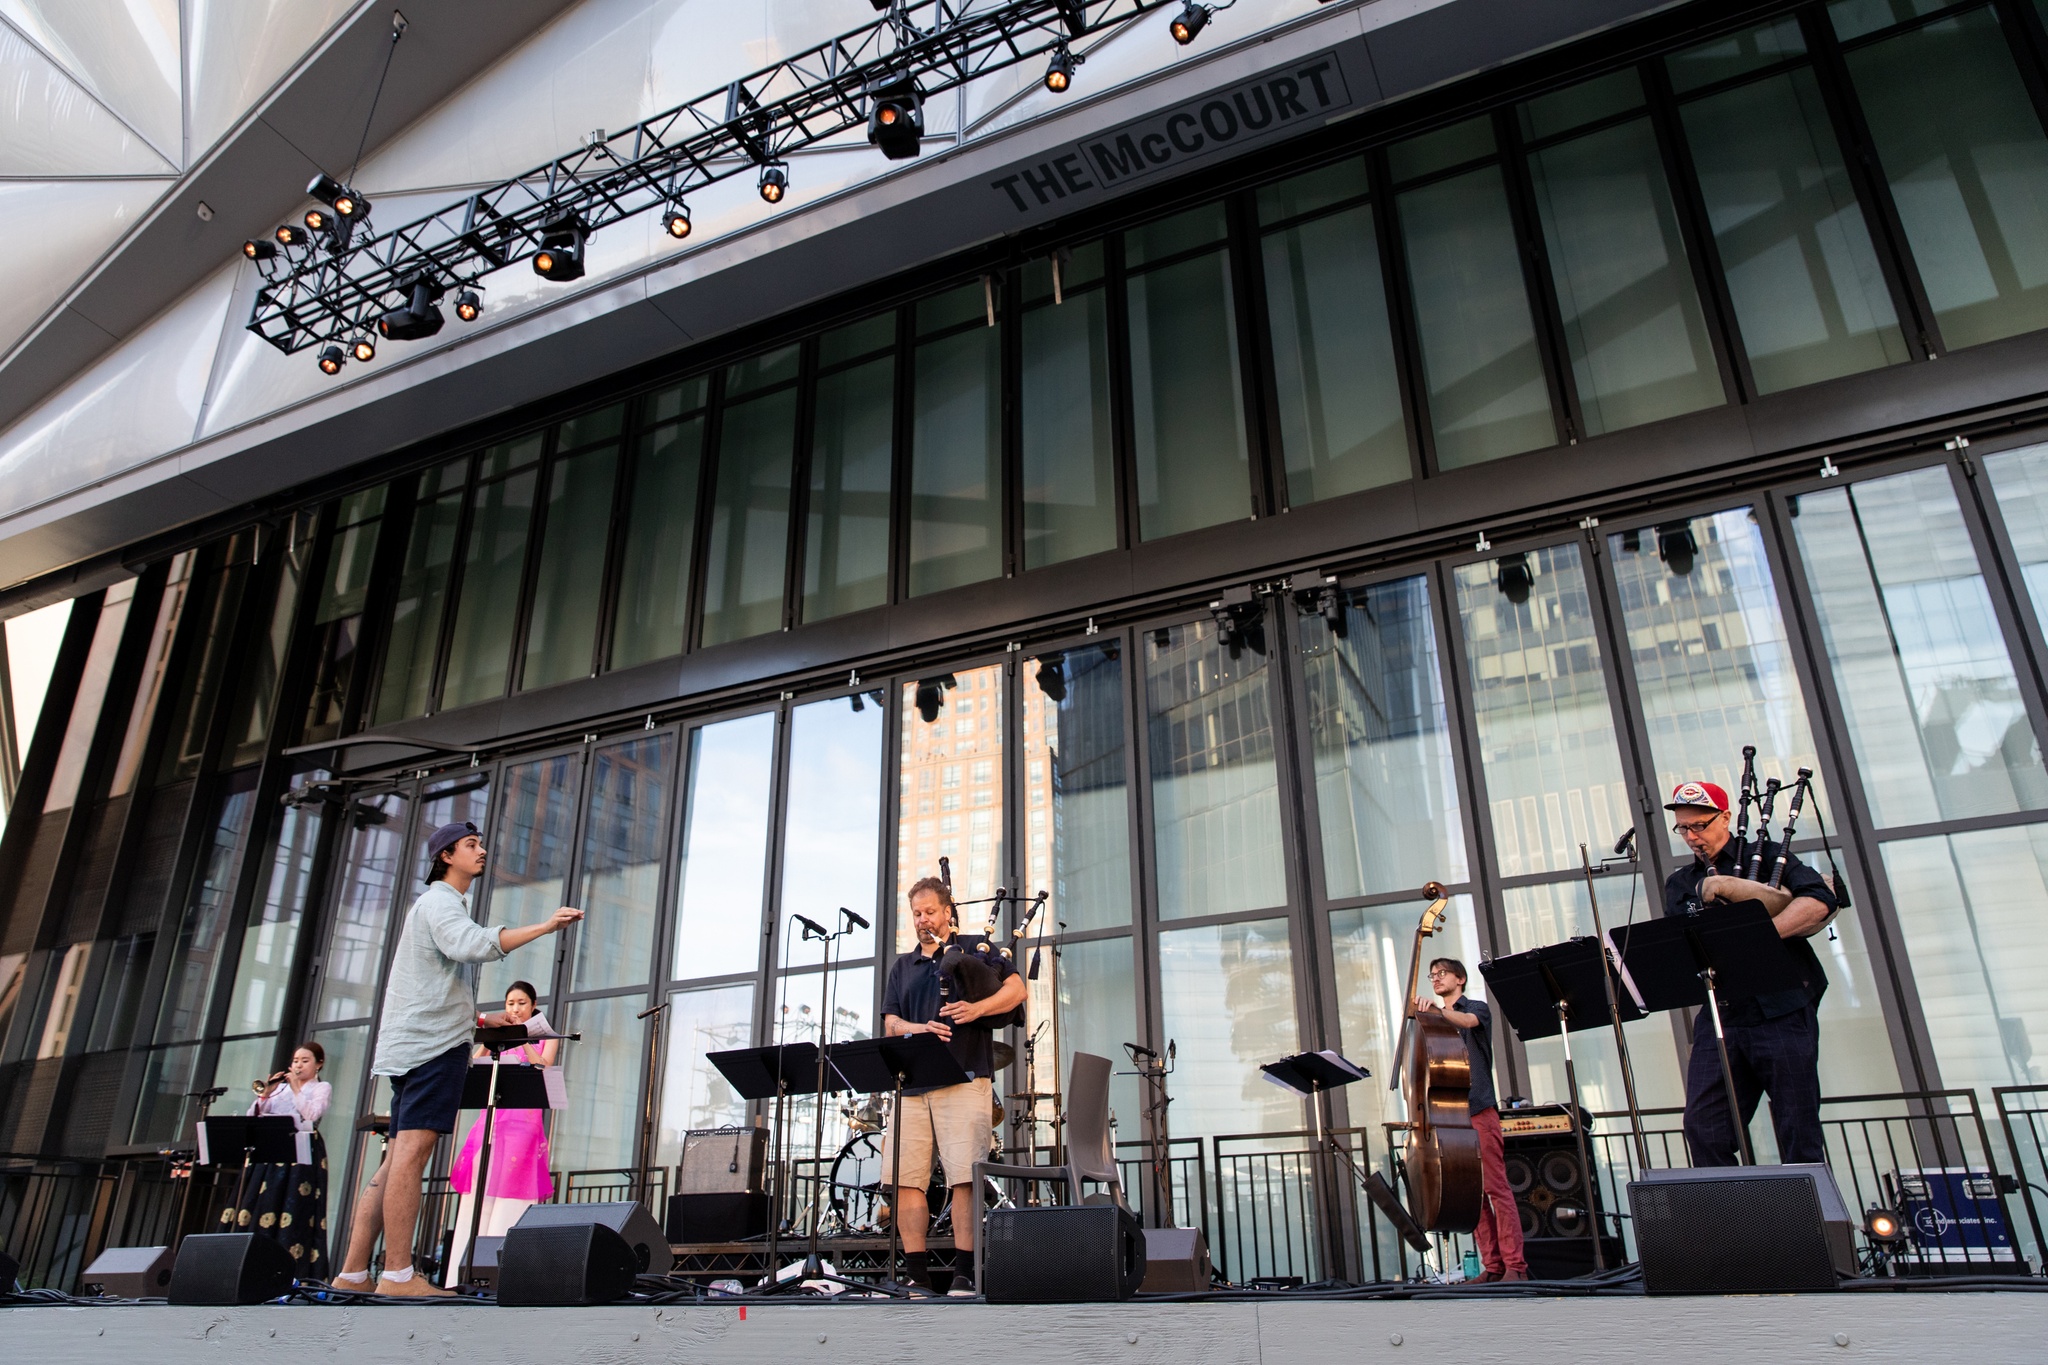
(519, 1176)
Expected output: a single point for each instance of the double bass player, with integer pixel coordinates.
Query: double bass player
(1499, 1232)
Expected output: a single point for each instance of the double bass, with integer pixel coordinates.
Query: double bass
(1442, 1154)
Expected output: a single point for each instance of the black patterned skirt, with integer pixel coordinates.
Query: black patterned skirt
(287, 1204)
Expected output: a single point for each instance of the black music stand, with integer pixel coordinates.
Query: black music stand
(920, 1060)
(774, 1073)
(270, 1138)
(1555, 991)
(1314, 1074)
(491, 1088)
(1683, 961)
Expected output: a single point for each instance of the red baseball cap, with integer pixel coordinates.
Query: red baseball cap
(1706, 795)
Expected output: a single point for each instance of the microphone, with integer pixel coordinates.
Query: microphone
(811, 927)
(1628, 836)
(656, 1010)
(855, 918)
(1140, 1050)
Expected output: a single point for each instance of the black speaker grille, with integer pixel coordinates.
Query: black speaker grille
(223, 1268)
(1738, 1235)
(573, 1263)
(1092, 1253)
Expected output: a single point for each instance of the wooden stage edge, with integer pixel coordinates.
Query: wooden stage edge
(1781, 1329)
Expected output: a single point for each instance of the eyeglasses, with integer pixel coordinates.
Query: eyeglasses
(1697, 826)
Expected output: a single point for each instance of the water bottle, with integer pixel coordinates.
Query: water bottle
(1472, 1267)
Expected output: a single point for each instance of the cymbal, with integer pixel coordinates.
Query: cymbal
(1005, 1054)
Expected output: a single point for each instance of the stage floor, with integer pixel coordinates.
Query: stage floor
(1782, 1330)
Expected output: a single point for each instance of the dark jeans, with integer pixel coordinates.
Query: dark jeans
(1780, 1058)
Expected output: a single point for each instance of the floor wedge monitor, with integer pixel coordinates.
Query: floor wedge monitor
(1077, 1253)
(221, 1269)
(1740, 1230)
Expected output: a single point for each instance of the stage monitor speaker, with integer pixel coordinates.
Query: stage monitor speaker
(629, 1218)
(1074, 1253)
(484, 1261)
(129, 1272)
(1176, 1261)
(723, 1161)
(221, 1269)
(557, 1264)
(1741, 1229)
(702, 1218)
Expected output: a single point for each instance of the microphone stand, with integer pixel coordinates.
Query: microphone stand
(1607, 977)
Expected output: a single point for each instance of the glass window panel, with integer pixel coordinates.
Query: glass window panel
(568, 586)
(694, 1094)
(365, 504)
(846, 540)
(1809, 297)
(1318, 189)
(1971, 185)
(1442, 149)
(1487, 394)
(1186, 402)
(507, 456)
(121, 988)
(338, 626)
(529, 858)
(1933, 709)
(1215, 790)
(1546, 735)
(1069, 456)
(1736, 55)
(257, 671)
(215, 605)
(1226, 998)
(195, 955)
(1339, 395)
(155, 673)
(1970, 906)
(487, 610)
(619, 874)
(1371, 948)
(241, 1061)
(375, 863)
(91, 694)
(350, 558)
(596, 1131)
(591, 427)
(832, 829)
(858, 339)
(724, 876)
(1632, 319)
(1575, 106)
(760, 372)
(1712, 661)
(64, 980)
(1077, 841)
(2019, 479)
(956, 452)
(13, 968)
(1081, 267)
(1854, 18)
(348, 1056)
(954, 308)
(950, 771)
(1098, 1013)
(750, 519)
(271, 939)
(421, 596)
(1387, 789)
(799, 1008)
(1198, 227)
(168, 1075)
(687, 396)
(661, 532)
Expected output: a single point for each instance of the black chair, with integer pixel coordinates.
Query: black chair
(1091, 1156)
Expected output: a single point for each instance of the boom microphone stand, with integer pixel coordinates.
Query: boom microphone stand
(1607, 953)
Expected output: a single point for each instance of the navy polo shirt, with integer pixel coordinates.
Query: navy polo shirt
(1682, 896)
(1479, 1049)
(916, 990)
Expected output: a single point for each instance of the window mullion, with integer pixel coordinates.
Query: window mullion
(1538, 280)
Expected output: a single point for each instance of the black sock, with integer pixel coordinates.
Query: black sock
(917, 1267)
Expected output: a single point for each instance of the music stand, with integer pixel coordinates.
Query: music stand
(491, 1088)
(1312, 1074)
(772, 1073)
(273, 1139)
(920, 1060)
(1555, 991)
(1682, 961)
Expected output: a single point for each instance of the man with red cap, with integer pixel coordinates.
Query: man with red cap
(1773, 1040)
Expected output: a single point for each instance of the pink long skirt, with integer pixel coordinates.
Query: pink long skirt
(519, 1157)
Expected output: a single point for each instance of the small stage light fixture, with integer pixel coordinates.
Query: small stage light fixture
(317, 220)
(1514, 578)
(338, 196)
(1192, 19)
(468, 306)
(364, 349)
(331, 359)
(1059, 72)
(931, 695)
(896, 118)
(676, 219)
(419, 319)
(561, 249)
(1052, 677)
(291, 236)
(774, 182)
(256, 249)
(1677, 547)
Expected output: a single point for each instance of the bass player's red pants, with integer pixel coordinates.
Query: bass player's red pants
(1500, 1226)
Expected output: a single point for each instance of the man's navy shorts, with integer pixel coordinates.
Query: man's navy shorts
(427, 1096)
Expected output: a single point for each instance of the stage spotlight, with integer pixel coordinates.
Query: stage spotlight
(1192, 19)
(256, 249)
(331, 359)
(1052, 676)
(561, 249)
(931, 695)
(676, 220)
(364, 350)
(419, 319)
(468, 306)
(896, 118)
(1677, 547)
(325, 188)
(290, 236)
(317, 220)
(1883, 1227)
(352, 205)
(1059, 72)
(1514, 578)
(774, 182)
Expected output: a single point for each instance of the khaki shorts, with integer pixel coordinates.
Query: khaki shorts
(959, 1115)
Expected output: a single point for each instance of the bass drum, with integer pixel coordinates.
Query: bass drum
(859, 1197)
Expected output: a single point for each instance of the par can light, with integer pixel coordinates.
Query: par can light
(774, 182)
(1189, 23)
(331, 359)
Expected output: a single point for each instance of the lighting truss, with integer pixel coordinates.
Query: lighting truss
(330, 289)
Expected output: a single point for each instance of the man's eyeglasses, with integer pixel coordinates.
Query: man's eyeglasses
(1697, 826)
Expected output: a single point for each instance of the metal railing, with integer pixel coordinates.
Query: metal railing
(2023, 1118)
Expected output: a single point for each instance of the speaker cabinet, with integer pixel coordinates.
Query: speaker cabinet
(1176, 1261)
(1075, 1253)
(630, 1219)
(1552, 1199)
(704, 1218)
(723, 1161)
(559, 1264)
(484, 1260)
(129, 1272)
(220, 1269)
(1741, 1229)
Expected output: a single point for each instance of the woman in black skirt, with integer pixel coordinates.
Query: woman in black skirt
(288, 1204)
